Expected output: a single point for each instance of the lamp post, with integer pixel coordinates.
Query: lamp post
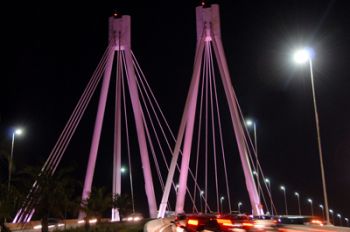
(221, 200)
(303, 56)
(251, 123)
(347, 221)
(285, 198)
(339, 216)
(201, 196)
(297, 195)
(332, 212)
(312, 208)
(239, 207)
(322, 208)
(268, 182)
(14, 133)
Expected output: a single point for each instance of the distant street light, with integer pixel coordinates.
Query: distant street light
(285, 198)
(176, 188)
(221, 200)
(303, 56)
(312, 208)
(239, 207)
(347, 221)
(17, 131)
(268, 182)
(201, 196)
(123, 169)
(339, 216)
(321, 206)
(297, 195)
(251, 123)
(332, 212)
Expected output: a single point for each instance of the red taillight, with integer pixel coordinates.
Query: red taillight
(247, 224)
(224, 221)
(314, 221)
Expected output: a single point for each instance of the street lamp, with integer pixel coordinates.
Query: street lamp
(176, 188)
(347, 221)
(339, 216)
(332, 212)
(297, 195)
(221, 200)
(239, 207)
(17, 131)
(312, 208)
(285, 198)
(303, 56)
(268, 182)
(123, 170)
(201, 196)
(321, 206)
(251, 123)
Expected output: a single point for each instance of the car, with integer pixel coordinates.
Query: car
(218, 222)
(299, 220)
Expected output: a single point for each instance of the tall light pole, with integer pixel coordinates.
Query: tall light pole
(221, 200)
(303, 56)
(332, 212)
(14, 133)
(285, 198)
(268, 182)
(312, 208)
(201, 196)
(297, 195)
(339, 216)
(322, 208)
(239, 207)
(251, 123)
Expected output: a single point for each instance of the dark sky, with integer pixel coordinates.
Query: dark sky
(50, 50)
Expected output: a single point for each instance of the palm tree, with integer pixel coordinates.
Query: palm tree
(52, 194)
(9, 201)
(98, 202)
(123, 203)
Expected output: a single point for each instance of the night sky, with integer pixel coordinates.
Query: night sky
(50, 50)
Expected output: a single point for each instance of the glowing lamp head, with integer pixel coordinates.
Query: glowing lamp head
(18, 131)
(309, 200)
(267, 180)
(283, 188)
(296, 194)
(249, 122)
(239, 203)
(302, 56)
(122, 169)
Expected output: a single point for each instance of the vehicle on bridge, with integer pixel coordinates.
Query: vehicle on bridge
(224, 223)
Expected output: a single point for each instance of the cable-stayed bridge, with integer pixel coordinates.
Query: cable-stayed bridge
(192, 168)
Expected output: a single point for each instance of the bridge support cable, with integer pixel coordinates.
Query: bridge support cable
(183, 124)
(237, 124)
(128, 145)
(97, 132)
(220, 132)
(160, 120)
(25, 213)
